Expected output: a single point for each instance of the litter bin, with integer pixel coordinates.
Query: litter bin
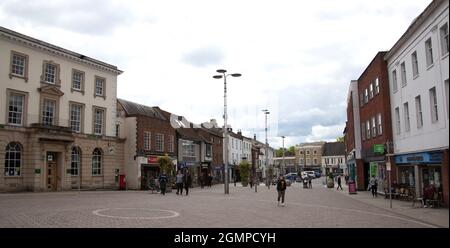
(351, 187)
(122, 182)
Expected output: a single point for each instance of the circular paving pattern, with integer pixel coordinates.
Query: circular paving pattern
(136, 213)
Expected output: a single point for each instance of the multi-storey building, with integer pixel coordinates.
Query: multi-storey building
(149, 135)
(58, 126)
(309, 155)
(333, 158)
(352, 136)
(375, 122)
(285, 165)
(418, 66)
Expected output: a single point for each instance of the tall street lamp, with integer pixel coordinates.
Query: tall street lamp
(266, 112)
(225, 116)
(282, 164)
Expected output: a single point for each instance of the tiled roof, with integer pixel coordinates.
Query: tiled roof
(136, 109)
(334, 149)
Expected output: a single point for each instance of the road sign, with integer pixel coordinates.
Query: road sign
(388, 166)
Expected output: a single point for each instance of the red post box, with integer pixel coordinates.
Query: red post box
(122, 182)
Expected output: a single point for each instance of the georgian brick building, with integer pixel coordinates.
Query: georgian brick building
(149, 135)
(375, 122)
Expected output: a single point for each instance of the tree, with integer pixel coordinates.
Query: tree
(244, 169)
(340, 139)
(166, 165)
(291, 151)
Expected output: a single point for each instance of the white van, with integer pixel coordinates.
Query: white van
(308, 174)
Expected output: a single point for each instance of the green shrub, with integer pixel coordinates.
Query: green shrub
(244, 169)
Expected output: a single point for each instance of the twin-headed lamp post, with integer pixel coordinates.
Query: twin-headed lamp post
(225, 128)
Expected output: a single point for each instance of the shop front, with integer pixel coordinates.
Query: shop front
(149, 171)
(419, 170)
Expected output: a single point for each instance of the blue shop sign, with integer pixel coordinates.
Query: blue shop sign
(420, 158)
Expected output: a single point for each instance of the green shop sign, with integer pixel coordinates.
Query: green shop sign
(378, 148)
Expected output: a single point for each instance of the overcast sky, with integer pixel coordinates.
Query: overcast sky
(296, 57)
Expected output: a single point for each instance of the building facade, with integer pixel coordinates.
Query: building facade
(352, 136)
(418, 66)
(286, 165)
(149, 136)
(375, 122)
(309, 155)
(333, 158)
(57, 118)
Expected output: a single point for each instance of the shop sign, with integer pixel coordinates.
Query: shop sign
(378, 148)
(152, 159)
(419, 158)
(205, 165)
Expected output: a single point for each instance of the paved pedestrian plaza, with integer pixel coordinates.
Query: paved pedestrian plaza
(208, 207)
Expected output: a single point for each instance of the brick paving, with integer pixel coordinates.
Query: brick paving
(208, 207)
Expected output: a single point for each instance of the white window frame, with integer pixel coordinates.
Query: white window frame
(429, 52)
(406, 117)
(397, 121)
(50, 71)
(394, 81)
(99, 123)
(171, 143)
(434, 105)
(368, 134)
(159, 142)
(13, 159)
(16, 112)
(77, 78)
(443, 34)
(419, 113)
(374, 127)
(371, 91)
(48, 112)
(19, 62)
(76, 121)
(379, 124)
(415, 64)
(147, 140)
(97, 160)
(75, 163)
(377, 86)
(188, 148)
(403, 74)
(366, 95)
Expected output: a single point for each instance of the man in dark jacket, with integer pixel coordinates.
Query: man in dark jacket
(163, 182)
(187, 181)
(281, 188)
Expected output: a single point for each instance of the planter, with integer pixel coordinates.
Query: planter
(330, 183)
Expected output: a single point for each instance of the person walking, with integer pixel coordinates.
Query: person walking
(281, 189)
(163, 183)
(210, 180)
(373, 185)
(179, 182)
(310, 182)
(200, 180)
(339, 183)
(187, 182)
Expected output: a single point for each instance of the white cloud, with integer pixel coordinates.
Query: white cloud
(296, 58)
